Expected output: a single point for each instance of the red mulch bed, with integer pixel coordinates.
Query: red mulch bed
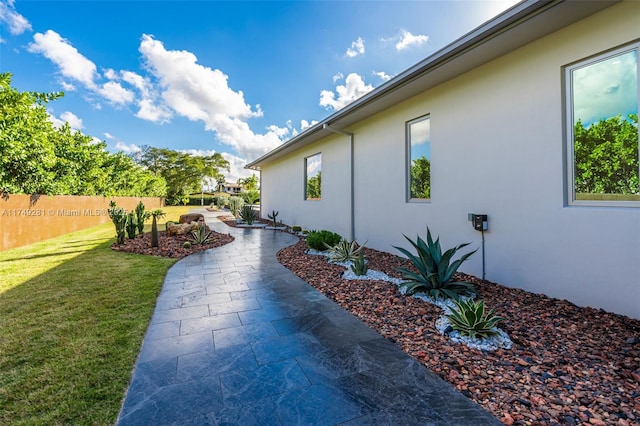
(568, 365)
(170, 245)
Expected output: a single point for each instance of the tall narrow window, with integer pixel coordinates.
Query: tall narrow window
(603, 136)
(313, 177)
(419, 158)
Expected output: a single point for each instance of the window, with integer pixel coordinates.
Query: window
(419, 158)
(602, 121)
(313, 177)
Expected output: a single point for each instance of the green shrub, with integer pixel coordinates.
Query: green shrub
(359, 266)
(296, 228)
(344, 251)
(435, 270)
(235, 204)
(220, 201)
(186, 245)
(470, 319)
(319, 240)
(248, 214)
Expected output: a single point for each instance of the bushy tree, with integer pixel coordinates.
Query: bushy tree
(314, 186)
(421, 178)
(606, 156)
(38, 158)
(182, 172)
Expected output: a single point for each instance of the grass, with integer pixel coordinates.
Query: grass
(73, 314)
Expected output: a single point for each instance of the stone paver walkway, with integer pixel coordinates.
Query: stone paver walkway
(237, 339)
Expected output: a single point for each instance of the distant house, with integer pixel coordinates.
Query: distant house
(232, 188)
(494, 124)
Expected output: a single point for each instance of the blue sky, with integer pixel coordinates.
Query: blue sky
(237, 78)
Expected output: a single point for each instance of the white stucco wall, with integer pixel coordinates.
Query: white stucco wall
(497, 148)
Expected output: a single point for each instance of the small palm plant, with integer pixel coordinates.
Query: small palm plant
(435, 270)
(155, 236)
(470, 319)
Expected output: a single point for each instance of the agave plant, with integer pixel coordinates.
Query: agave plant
(435, 270)
(470, 319)
(201, 235)
(248, 214)
(359, 266)
(344, 251)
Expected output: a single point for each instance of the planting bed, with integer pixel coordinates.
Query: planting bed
(170, 245)
(568, 365)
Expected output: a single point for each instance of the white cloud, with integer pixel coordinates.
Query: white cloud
(72, 63)
(17, 23)
(357, 48)
(110, 74)
(109, 136)
(338, 76)
(408, 40)
(74, 121)
(115, 93)
(131, 148)
(353, 89)
(67, 86)
(201, 93)
(382, 75)
(236, 166)
(151, 112)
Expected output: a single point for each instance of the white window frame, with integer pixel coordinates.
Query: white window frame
(408, 124)
(569, 119)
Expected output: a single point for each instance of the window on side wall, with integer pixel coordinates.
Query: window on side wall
(419, 159)
(313, 177)
(602, 134)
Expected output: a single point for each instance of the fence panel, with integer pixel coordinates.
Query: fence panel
(26, 219)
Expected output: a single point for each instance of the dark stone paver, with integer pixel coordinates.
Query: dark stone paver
(237, 339)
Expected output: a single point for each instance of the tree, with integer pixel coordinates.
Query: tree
(314, 186)
(182, 172)
(420, 178)
(606, 156)
(27, 149)
(37, 158)
(250, 183)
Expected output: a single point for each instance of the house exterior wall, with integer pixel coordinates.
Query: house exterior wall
(283, 188)
(497, 148)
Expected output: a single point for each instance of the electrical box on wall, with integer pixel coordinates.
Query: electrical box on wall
(479, 222)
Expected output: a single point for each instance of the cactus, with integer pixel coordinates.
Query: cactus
(118, 216)
(273, 216)
(131, 225)
(141, 217)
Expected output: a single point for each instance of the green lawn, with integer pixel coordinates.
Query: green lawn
(73, 314)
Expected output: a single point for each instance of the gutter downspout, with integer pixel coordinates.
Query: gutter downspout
(352, 191)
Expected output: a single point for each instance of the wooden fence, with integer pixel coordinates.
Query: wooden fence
(26, 219)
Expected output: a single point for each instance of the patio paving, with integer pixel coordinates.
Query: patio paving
(237, 339)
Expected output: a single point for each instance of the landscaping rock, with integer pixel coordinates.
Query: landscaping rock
(191, 217)
(182, 228)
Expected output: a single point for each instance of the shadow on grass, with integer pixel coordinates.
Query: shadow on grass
(69, 337)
